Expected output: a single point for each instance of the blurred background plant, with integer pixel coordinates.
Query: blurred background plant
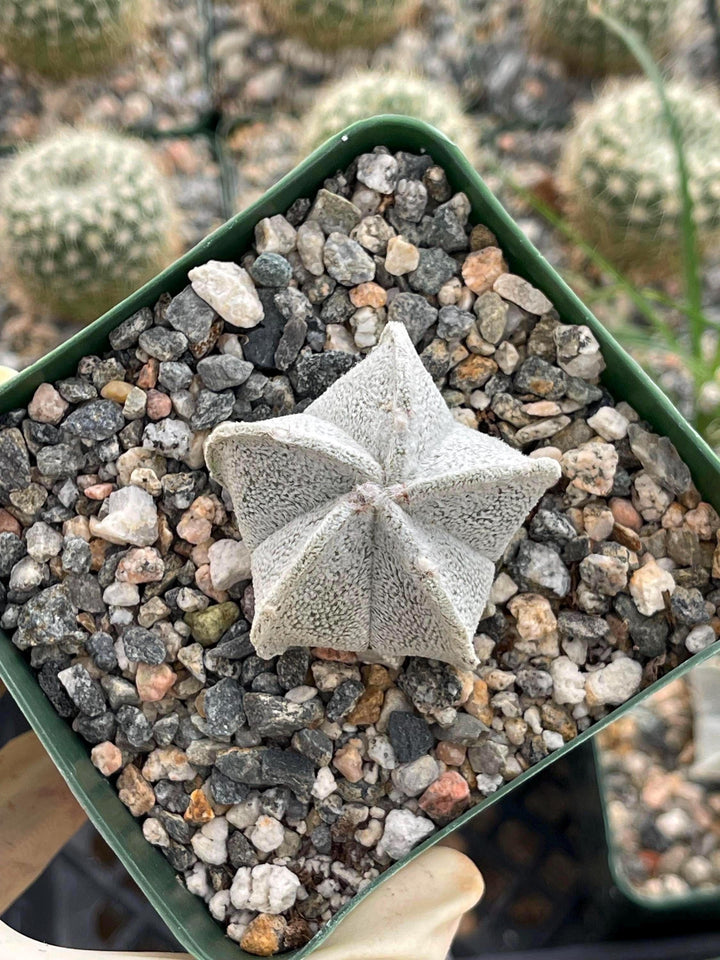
(61, 40)
(640, 187)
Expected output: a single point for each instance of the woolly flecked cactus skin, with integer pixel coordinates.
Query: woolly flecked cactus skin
(63, 38)
(567, 29)
(367, 94)
(87, 219)
(374, 517)
(333, 24)
(619, 179)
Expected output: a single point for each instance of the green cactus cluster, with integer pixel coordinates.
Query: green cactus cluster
(568, 30)
(64, 38)
(619, 177)
(361, 95)
(87, 219)
(334, 24)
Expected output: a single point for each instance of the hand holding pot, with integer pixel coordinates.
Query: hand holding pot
(413, 914)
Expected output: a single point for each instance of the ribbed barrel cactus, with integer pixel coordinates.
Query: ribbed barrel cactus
(87, 219)
(568, 30)
(619, 179)
(374, 517)
(61, 38)
(332, 24)
(366, 94)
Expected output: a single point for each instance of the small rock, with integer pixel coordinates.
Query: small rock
(131, 518)
(135, 792)
(410, 736)
(446, 798)
(403, 830)
(273, 235)
(482, 268)
(613, 684)
(346, 261)
(107, 758)
(47, 406)
(143, 646)
(647, 586)
(519, 291)
(402, 257)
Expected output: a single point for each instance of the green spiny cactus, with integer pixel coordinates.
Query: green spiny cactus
(332, 24)
(87, 219)
(568, 30)
(63, 38)
(360, 95)
(619, 178)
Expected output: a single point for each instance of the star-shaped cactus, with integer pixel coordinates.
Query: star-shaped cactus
(374, 518)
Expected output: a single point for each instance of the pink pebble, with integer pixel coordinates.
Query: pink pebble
(337, 656)
(141, 565)
(47, 406)
(204, 583)
(196, 523)
(8, 523)
(99, 491)
(159, 405)
(199, 554)
(626, 514)
(348, 760)
(106, 757)
(147, 378)
(446, 797)
(153, 682)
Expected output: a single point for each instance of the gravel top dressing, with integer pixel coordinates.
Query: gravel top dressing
(279, 788)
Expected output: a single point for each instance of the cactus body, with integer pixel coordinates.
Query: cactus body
(333, 24)
(619, 177)
(567, 29)
(63, 38)
(87, 220)
(367, 94)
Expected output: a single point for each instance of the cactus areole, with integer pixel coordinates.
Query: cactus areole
(374, 518)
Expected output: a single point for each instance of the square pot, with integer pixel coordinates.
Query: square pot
(636, 911)
(186, 915)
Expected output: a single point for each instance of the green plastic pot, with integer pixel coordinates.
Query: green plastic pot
(187, 916)
(636, 909)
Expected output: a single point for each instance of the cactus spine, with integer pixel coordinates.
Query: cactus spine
(619, 178)
(87, 220)
(567, 29)
(63, 38)
(360, 95)
(333, 24)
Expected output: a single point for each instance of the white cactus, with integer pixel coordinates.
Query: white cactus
(374, 517)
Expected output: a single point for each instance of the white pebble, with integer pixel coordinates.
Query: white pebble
(229, 290)
(132, 518)
(699, 638)
(325, 783)
(614, 683)
(209, 843)
(609, 424)
(568, 681)
(403, 830)
(267, 834)
(229, 563)
(267, 888)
